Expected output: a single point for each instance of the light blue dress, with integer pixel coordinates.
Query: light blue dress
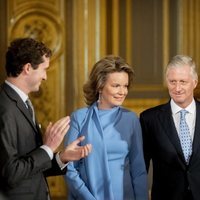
(115, 170)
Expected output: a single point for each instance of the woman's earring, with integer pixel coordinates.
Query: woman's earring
(99, 99)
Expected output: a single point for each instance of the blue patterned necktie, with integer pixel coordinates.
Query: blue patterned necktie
(184, 135)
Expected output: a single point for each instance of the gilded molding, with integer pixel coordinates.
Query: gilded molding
(139, 105)
(115, 27)
(41, 25)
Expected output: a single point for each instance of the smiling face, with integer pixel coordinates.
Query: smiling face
(114, 91)
(36, 76)
(181, 84)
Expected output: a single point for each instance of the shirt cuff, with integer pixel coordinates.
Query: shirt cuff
(60, 163)
(48, 150)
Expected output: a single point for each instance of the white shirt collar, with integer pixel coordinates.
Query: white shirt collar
(190, 108)
(19, 92)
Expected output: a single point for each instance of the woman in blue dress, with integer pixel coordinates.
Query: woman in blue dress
(115, 169)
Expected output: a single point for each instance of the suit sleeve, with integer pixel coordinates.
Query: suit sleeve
(55, 169)
(76, 184)
(19, 160)
(138, 170)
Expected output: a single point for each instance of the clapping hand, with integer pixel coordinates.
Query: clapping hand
(55, 133)
(75, 152)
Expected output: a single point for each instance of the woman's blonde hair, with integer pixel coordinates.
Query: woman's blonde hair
(99, 73)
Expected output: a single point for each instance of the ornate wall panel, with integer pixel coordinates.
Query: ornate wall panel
(189, 29)
(43, 20)
(89, 41)
(189, 32)
(147, 40)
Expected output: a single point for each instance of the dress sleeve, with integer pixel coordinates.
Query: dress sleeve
(137, 164)
(77, 187)
(146, 141)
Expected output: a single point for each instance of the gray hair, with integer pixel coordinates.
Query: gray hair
(181, 61)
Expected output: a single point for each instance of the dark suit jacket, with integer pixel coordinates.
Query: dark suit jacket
(23, 165)
(172, 177)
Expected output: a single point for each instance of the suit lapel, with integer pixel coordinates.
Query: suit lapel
(167, 121)
(19, 103)
(24, 110)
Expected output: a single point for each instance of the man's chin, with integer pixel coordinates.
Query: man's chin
(179, 98)
(36, 89)
(179, 102)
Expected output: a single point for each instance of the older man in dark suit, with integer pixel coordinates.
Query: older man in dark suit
(172, 140)
(25, 157)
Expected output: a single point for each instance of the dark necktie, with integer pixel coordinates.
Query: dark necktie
(31, 109)
(184, 134)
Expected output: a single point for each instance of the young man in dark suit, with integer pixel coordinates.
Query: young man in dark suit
(171, 141)
(25, 157)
